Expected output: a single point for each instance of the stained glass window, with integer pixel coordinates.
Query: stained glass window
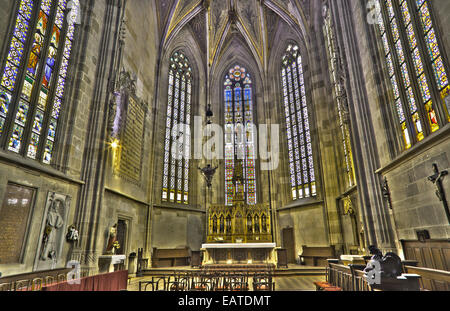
(177, 139)
(333, 60)
(32, 100)
(301, 163)
(413, 94)
(239, 133)
(431, 41)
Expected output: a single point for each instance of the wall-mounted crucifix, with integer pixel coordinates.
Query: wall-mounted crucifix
(438, 179)
(208, 172)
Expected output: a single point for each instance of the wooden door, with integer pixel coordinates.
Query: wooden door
(122, 236)
(289, 244)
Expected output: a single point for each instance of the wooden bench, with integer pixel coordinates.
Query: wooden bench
(352, 278)
(317, 256)
(171, 257)
(432, 280)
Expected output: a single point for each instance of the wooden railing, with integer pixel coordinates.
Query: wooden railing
(114, 281)
(432, 280)
(34, 281)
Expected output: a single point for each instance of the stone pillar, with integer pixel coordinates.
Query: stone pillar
(359, 42)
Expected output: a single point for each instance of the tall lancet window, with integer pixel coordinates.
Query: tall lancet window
(301, 163)
(335, 68)
(239, 133)
(416, 68)
(33, 76)
(178, 138)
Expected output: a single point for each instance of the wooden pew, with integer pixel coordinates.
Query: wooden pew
(171, 257)
(331, 278)
(317, 256)
(352, 278)
(343, 277)
(432, 280)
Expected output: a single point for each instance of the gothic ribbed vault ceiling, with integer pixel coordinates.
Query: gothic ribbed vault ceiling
(215, 22)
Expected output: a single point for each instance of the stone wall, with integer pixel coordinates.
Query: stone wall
(135, 214)
(83, 165)
(81, 168)
(414, 202)
(6, 14)
(309, 223)
(42, 183)
(178, 228)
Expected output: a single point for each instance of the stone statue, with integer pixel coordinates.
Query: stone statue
(72, 234)
(54, 222)
(112, 239)
(325, 8)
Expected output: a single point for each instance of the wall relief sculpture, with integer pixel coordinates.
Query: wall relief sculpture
(53, 230)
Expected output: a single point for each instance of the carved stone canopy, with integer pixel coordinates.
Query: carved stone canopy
(348, 206)
(127, 82)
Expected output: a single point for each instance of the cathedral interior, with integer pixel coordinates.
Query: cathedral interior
(223, 132)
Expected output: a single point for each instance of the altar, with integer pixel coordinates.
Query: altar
(239, 253)
(240, 233)
(110, 263)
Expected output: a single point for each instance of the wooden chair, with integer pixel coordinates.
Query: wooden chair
(155, 284)
(36, 284)
(200, 283)
(61, 278)
(263, 282)
(6, 287)
(178, 282)
(22, 285)
(49, 280)
(238, 282)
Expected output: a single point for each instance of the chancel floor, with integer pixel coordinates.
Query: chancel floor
(293, 278)
(282, 283)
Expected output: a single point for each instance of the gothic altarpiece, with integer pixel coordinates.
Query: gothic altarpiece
(241, 233)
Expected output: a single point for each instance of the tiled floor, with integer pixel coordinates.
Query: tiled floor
(297, 283)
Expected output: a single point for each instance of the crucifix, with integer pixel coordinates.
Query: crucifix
(437, 179)
(208, 172)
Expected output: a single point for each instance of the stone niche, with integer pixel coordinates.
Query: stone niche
(15, 214)
(53, 230)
